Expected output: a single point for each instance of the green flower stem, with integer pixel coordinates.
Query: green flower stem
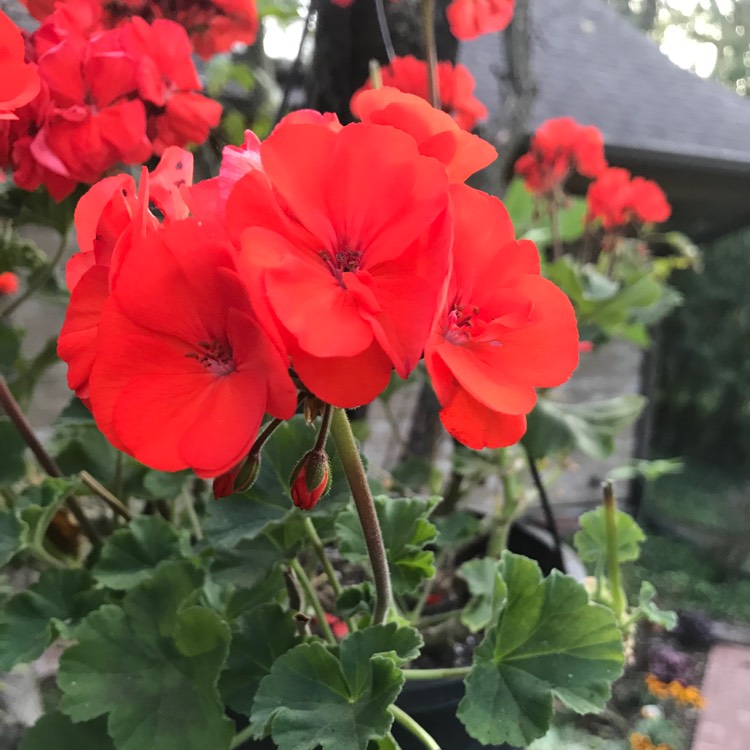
(430, 49)
(613, 561)
(317, 545)
(41, 279)
(325, 428)
(267, 432)
(13, 410)
(312, 599)
(438, 618)
(435, 674)
(504, 516)
(346, 446)
(415, 728)
(109, 498)
(241, 737)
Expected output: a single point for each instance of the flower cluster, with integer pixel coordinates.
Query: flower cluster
(19, 81)
(455, 85)
(8, 283)
(688, 694)
(469, 19)
(559, 148)
(617, 199)
(108, 96)
(213, 26)
(321, 259)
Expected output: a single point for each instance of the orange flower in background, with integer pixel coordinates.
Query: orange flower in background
(558, 148)
(437, 134)
(8, 282)
(615, 199)
(456, 86)
(345, 245)
(640, 741)
(184, 372)
(503, 331)
(675, 690)
(19, 80)
(469, 19)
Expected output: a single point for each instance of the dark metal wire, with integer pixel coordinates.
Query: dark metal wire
(294, 72)
(546, 507)
(384, 30)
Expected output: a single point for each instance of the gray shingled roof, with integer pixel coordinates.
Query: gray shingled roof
(595, 66)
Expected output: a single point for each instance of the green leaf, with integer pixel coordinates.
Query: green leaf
(326, 704)
(268, 503)
(40, 504)
(12, 466)
(55, 730)
(264, 634)
(152, 665)
(456, 529)
(555, 427)
(11, 531)
(406, 530)
(356, 600)
(30, 620)
(591, 539)
(130, 554)
(10, 349)
(487, 591)
(648, 610)
(549, 641)
(519, 203)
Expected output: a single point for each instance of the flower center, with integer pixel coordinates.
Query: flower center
(216, 357)
(460, 323)
(344, 260)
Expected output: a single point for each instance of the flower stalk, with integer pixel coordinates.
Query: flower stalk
(430, 49)
(343, 438)
(613, 561)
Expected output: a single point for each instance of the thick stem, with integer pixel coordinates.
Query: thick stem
(430, 49)
(312, 600)
(613, 561)
(346, 446)
(13, 410)
(435, 674)
(414, 728)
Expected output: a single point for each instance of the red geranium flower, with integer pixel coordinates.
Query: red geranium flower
(503, 331)
(213, 26)
(345, 248)
(559, 147)
(107, 219)
(437, 134)
(469, 19)
(456, 86)
(19, 81)
(615, 199)
(184, 371)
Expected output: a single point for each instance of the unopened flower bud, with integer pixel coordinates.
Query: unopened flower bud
(310, 479)
(239, 478)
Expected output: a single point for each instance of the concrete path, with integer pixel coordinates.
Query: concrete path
(724, 723)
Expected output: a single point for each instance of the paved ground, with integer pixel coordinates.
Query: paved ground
(724, 723)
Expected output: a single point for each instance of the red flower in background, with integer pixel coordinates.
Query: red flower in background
(19, 81)
(456, 86)
(345, 242)
(503, 331)
(469, 19)
(213, 26)
(559, 147)
(437, 134)
(109, 218)
(8, 282)
(183, 371)
(108, 97)
(616, 199)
